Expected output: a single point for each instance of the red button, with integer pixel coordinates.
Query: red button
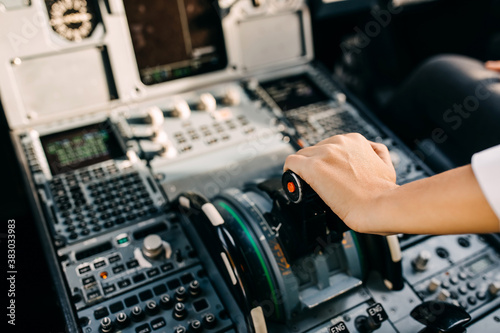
(291, 187)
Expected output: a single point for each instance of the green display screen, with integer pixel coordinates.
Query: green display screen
(80, 147)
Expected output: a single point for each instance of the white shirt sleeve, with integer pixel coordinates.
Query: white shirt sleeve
(486, 167)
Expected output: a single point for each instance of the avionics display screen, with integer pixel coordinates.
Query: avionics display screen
(80, 147)
(175, 38)
(294, 92)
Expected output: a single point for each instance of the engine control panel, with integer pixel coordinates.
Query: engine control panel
(152, 137)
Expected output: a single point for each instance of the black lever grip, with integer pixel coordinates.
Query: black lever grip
(296, 189)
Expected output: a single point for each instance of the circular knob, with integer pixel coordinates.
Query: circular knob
(152, 246)
(180, 311)
(152, 308)
(181, 110)
(494, 288)
(136, 314)
(420, 262)
(195, 326)
(433, 285)
(365, 324)
(232, 96)
(209, 320)
(180, 329)
(155, 117)
(122, 320)
(207, 102)
(194, 288)
(443, 295)
(166, 301)
(106, 325)
(181, 294)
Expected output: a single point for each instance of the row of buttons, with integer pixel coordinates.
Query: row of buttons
(209, 321)
(98, 263)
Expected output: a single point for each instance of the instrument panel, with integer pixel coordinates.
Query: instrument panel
(153, 136)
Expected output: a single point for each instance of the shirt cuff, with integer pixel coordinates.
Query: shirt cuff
(486, 168)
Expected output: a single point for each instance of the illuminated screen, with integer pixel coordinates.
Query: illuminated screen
(80, 147)
(175, 38)
(294, 92)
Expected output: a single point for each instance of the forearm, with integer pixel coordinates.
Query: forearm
(448, 203)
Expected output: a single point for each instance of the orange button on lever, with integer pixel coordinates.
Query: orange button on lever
(291, 187)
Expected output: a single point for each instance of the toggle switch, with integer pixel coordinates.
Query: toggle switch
(420, 262)
(207, 102)
(181, 110)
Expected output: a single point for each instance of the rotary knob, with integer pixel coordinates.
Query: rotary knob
(434, 284)
(155, 117)
(209, 320)
(194, 288)
(152, 308)
(181, 294)
(136, 314)
(152, 246)
(106, 325)
(181, 110)
(207, 102)
(443, 295)
(195, 326)
(494, 288)
(180, 311)
(420, 262)
(232, 96)
(122, 320)
(166, 302)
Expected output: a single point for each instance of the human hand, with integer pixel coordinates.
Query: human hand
(493, 65)
(349, 173)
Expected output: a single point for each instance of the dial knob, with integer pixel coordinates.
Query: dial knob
(195, 326)
(420, 262)
(365, 324)
(152, 246)
(443, 295)
(166, 301)
(181, 294)
(194, 288)
(152, 308)
(181, 110)
(180, 311)
(207, 102)
(106, 325)
(180, 329)
(494, 288)
(155, 117)
(232, 96)
(122, 320)
(136, 314)
(433, 285)
(209, 320)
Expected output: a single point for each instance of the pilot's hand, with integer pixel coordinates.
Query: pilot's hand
(349, 173)
(493, 65)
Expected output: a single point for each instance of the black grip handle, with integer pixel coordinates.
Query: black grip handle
(296, 189)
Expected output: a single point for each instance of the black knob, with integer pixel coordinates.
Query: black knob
(195, 326)
(194, 288)
(209, 320)
(181, 294)
(441, 317)
(365, 324)
(122, 320)
(178, 256)
(136, 314)
(180, 311)
(295, 188)
(166, 301)
(152, 308)
(106, 325)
